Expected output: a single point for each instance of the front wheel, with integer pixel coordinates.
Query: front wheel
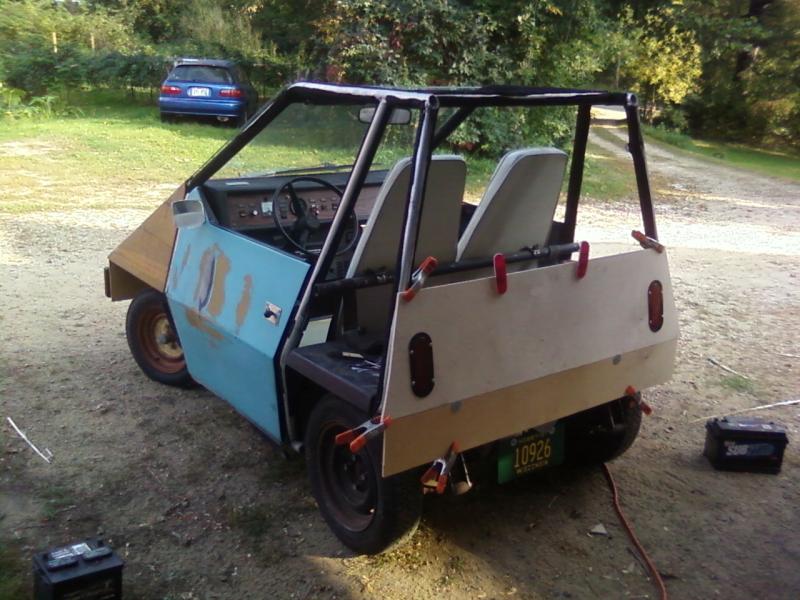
(153, 341)
(367, 512)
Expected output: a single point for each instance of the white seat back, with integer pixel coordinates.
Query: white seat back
(518, 206)
(438, 233)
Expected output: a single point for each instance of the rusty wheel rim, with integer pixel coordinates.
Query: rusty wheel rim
(159, 342)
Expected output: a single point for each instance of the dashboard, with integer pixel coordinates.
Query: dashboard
(247, 205)
(256, 210)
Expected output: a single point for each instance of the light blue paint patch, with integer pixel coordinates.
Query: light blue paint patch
(229, 346)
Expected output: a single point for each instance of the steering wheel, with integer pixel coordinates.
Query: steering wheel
(307, 222)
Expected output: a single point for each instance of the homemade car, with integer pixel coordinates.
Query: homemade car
(355, 308)
(203, 87)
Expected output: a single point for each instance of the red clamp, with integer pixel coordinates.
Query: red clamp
(418, 278)
(583, 260)
(647, 242)
(358, 436)
(500, 273)
(436, 477)
(637, 397)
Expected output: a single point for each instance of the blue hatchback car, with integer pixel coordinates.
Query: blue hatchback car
(207, 88)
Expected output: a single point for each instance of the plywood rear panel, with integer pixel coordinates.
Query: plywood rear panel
(494, 353)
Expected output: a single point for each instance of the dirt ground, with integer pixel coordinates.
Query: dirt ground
(200, 506)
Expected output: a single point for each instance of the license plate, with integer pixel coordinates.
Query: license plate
(530, 451)
(199, 92)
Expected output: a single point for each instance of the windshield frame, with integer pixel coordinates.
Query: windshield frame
(428, 101)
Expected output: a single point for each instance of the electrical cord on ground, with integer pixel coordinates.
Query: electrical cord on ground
(659, 583)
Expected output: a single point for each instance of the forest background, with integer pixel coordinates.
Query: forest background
(719, 69)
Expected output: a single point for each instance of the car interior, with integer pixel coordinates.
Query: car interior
(342, 348)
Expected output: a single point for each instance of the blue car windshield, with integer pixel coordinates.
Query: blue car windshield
(203, 73)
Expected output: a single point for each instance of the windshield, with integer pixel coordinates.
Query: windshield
(309, 138)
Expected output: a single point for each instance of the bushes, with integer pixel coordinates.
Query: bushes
(15, 104)
(39, 71)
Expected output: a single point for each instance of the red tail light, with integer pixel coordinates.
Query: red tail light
(230, 93)
(655, 305)
(583, 260)
(170, 90)
(500, 273)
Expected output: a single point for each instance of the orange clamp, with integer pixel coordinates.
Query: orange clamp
(418, 279)
(357, 437)
(438, 474)
(637, 397)
(647, 242)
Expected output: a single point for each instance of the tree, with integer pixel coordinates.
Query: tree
(664, 66)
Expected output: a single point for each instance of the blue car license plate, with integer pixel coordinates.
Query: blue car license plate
(530, 451)
(199, 92)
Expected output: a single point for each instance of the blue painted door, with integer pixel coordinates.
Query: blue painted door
(230, 298)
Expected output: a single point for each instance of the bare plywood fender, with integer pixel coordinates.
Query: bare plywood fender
(550, 346)
(143, 257)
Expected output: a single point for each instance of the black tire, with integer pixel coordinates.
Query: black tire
(602, 433)
(153, 341)
(368, 513)
(164, 117)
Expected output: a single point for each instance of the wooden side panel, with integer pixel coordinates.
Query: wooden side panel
(122, 285)
(147, 251)
(490, 348)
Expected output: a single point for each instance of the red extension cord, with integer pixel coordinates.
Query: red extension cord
(629, 530)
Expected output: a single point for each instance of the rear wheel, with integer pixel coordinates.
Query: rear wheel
(602, 433)
(153, 341)
(367, 512)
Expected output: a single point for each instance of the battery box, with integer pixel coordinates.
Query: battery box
(745, 444)
(87, 570)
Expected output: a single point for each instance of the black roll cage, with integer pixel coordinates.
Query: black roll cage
(428, 137)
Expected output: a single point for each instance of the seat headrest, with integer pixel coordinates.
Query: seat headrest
(518, 206)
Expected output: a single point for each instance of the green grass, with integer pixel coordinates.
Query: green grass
(738, 383)
(117, 154)
(111, 156)
(606, 177)
(769, 162)
(56, 498)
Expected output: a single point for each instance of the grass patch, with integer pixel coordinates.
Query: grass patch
(283, 470)
(55, 498)
(738, 383)
(254, 521)
(606, 177)
(767, 162)
(13, 572)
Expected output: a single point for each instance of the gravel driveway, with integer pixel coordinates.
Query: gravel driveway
(200, 506)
